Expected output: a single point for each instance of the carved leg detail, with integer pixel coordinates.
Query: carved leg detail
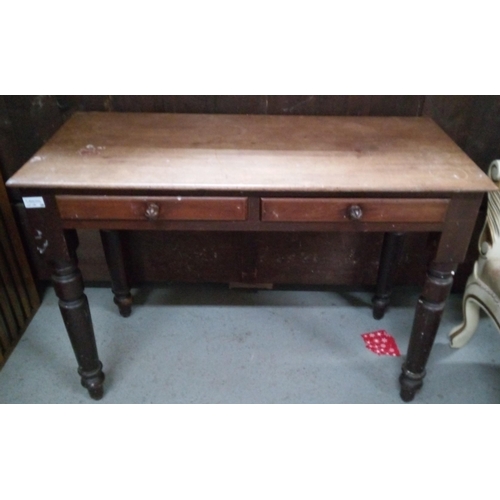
(111, 243)
(391, 253)
(425, 325)
(461, 334)
(75, 311)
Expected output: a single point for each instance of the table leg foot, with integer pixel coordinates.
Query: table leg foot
(93, 381)
(380, 305)
(124, 304)
(410, 383)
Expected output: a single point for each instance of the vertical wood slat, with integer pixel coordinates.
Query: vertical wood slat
(10, 286)
(8, 316)
(14, 272)
(19, 298)
(4, 341)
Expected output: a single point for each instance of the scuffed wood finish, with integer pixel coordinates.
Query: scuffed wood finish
(349, 209)
(461, 218)
(178, 173)
(473, 122)
(159, 208)
(180, 152)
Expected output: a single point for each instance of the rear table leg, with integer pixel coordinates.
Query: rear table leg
(112, 246)
(391, 254)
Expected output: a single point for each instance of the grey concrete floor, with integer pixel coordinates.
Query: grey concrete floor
(206, 344)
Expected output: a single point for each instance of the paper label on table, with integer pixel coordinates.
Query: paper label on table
(33, 202)
(381, 343)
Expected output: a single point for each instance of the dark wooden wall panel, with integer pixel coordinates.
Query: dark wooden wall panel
(283, 259)
(473, 122)
(346, 105)
(483, 137)
(235, 104)
(19, 298)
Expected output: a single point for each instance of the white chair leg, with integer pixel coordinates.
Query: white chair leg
(461, 334)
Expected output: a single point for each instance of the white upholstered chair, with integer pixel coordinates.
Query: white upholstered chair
(483, 286)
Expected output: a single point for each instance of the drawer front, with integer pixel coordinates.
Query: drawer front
(152, 208)
(353, 210)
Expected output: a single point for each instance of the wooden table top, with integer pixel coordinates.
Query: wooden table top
(183, 152)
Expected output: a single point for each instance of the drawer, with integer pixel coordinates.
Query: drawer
(353, 209)
(152, 208)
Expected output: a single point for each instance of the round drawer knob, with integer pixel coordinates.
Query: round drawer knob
(152, 211)
(354, 212)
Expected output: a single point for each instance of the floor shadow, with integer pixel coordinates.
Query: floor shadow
(221, 295)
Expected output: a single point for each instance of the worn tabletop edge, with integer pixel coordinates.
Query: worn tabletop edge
(481, 182)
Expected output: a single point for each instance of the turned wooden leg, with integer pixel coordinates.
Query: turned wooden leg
(425, 325)
(391, 254)
(68, 284)
(111, 243)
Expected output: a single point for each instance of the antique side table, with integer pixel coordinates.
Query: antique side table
(174, 172)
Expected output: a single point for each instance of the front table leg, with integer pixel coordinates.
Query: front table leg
(74, 306)
(425, 325)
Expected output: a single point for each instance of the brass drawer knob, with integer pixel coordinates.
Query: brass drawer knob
(354, 212)
(152, 211)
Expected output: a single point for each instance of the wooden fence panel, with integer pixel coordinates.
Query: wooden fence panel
(19, 299)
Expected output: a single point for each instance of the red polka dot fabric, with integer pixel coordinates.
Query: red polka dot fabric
(381, 343)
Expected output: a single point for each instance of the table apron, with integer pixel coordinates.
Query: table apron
(214, 213)
(255, 226)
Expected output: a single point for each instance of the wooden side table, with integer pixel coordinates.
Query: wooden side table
(117, 172)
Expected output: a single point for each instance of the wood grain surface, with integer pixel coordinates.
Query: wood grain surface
(206, 208)
(157, 151)
(337, 210)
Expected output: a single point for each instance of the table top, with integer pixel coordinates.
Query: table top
(186, 152)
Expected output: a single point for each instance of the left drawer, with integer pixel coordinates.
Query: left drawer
(152, 208)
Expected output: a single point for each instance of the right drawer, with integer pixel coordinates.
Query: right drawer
(353, 209)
